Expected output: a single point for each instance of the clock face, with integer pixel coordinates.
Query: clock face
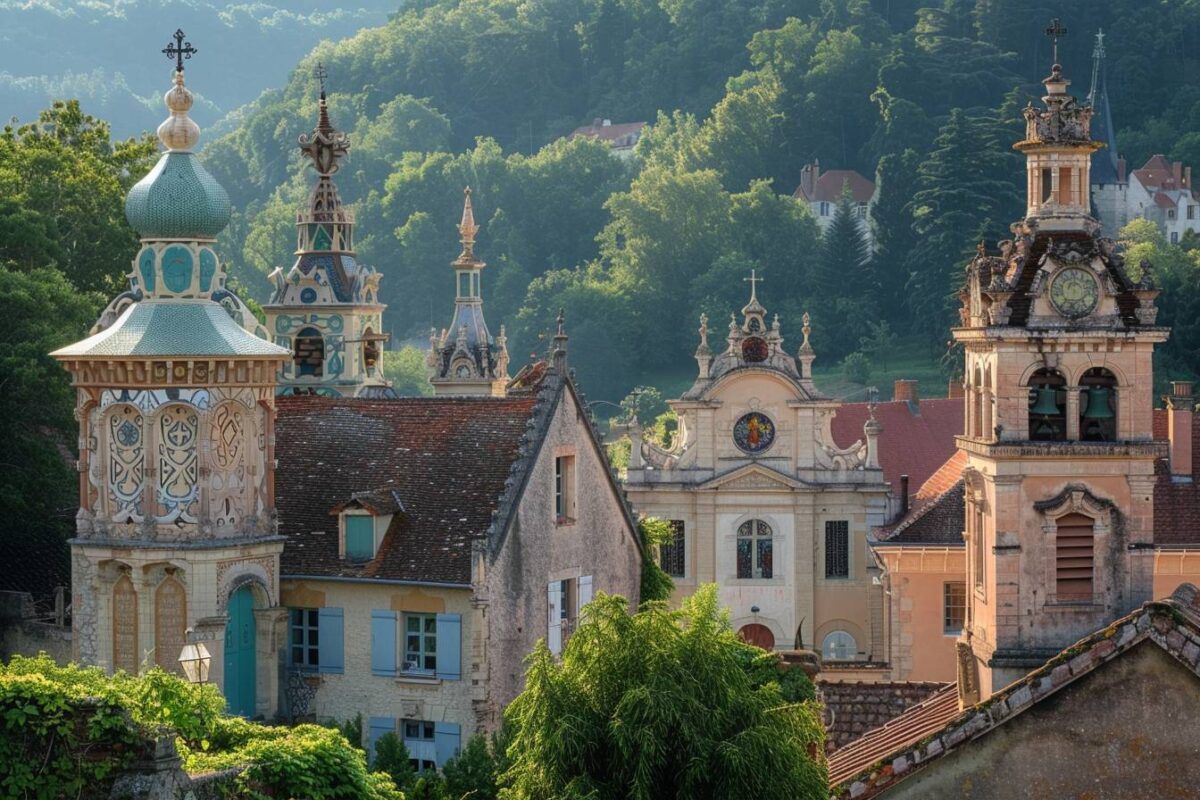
(754, 432)
(755, 350)
(1074, 292)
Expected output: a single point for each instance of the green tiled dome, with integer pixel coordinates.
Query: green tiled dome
(178, 199)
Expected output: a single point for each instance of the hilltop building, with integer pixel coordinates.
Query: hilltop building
(176, 536)
(1161, 191)
(326, 308)
(465, 359)
(1071, 499)
(621, 137)
(823, 190)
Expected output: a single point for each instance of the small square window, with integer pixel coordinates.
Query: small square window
(360, 537)
(564, 489)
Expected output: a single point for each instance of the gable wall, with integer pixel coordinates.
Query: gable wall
(1125, 730)
(537, 550)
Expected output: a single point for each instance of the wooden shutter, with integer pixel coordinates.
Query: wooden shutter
(1074, 558)
(331, 634)
(449, 647)
(383, 642)
(360, 537)
(446, 738)
(554, 623)
(585, 591)
(376, 728)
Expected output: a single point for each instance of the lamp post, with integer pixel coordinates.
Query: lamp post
(195, 660)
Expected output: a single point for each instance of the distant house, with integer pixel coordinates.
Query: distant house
(821, 191)
(620, 137)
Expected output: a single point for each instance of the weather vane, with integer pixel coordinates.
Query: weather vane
(179, 50)
(1056, 31)
(321, 74)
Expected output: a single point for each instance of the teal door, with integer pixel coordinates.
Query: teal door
(239, 654)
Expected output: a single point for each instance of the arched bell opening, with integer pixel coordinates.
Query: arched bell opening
(1098, 406)
(1047, 406)
(308, 355)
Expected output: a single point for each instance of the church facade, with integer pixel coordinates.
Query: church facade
(764, 502)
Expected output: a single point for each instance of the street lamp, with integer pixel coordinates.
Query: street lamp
(195, 660)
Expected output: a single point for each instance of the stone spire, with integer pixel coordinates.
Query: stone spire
(1105, 164)
(465, 359)
(325, 225)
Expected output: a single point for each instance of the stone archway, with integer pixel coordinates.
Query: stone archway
(757, 635)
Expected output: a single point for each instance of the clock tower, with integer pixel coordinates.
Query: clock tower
(1059, 334)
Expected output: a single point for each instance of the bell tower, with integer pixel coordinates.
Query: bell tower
(1059, 334)
(326, 308)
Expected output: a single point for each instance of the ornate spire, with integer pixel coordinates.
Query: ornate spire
(327, 145)
(560, 345)
(179, 133)
(467, 230)
(753, 312)
(325, 225)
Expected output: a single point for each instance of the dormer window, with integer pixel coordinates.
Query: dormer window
(359, 543)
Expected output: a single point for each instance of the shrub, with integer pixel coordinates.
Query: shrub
(391, 757)
(857, 367)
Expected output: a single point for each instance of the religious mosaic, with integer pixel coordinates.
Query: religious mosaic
(754, 432)
(227, 443)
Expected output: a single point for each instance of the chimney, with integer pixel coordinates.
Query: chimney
(1187, 177)
(1180, 405)
(597, 121)
(1177, 174)
(903, 495)
(906, 390)
(955, 390)
(1121, 170)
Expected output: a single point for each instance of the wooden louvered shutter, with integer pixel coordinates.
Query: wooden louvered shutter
(1074, 558)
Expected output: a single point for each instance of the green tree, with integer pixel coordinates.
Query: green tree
(658, 704)
(844, 277)
(656, 583)
(392, 758)
(472, 774)
(70, 181)
(406, 369)
(892, 227)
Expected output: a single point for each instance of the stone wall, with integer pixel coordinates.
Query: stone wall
(22, 632)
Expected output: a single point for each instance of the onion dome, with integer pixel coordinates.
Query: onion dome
(178, 199)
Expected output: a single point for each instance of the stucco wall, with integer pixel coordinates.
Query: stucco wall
(921, 649)
(356, 690)
(1126, 730)
(537, 550)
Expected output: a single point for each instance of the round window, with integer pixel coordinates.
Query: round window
(754, 432)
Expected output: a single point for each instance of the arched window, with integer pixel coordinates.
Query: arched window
(838, 646)
(370, 350)
(755, 556)
(1074, 558)
(1047, 406)
(1098, 406)
(758, 635)
(309, 353)
(125, 626)
(170, 623)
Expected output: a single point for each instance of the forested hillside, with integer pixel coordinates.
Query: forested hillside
(741, 94)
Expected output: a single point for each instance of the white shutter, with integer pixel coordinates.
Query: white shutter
(585, 591)
(554, 623)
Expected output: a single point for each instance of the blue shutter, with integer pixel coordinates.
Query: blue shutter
(445, 741)
(376, 728)
(331, 633)
(383, 643)
(449, 647)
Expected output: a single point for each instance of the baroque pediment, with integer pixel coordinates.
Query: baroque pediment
(752, 477)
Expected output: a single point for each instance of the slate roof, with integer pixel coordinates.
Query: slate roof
(917, 438)
(928, 732)
(1176, 504)
(163, 328)
(447, 459)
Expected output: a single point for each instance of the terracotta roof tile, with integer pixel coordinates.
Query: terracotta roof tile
(610, 133)
(829, 187)
(1176, 504)
(446, 458)
(854, 708)
(917, 438)
(928, 716)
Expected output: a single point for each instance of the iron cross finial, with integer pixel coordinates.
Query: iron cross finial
(179, 50)
(753, 280)
(321, 74)
(1056, 31)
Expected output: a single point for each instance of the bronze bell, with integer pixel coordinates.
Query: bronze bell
(1047, 404)
(1097, 403)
